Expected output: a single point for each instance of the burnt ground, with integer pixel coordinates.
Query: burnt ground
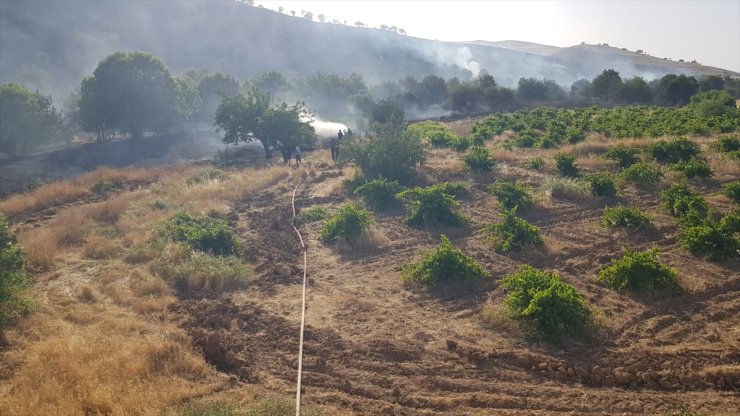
(376, 346)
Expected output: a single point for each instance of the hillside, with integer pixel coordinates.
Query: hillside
(119, 330)
(52, 45)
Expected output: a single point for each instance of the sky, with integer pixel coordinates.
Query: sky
(704, 30)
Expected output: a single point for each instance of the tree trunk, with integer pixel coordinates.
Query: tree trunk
(268, 152)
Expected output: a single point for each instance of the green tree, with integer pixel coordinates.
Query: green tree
(388, 152)
(713, 103)
(212, 88)
(635, 91)
(129, 92)
(27, 119)
(14, 301)
(607, 84)
(677, 89)
(251, 117)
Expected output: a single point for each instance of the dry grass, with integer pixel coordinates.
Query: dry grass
(69, 227)
(98, 360)
(370, 242)
(46, 195)
(565, 188)
(110, 210)
(40, 247)
(101, 248)
(69, 190)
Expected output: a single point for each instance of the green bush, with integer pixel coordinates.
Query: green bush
(204, 176)
(348, 223)
(673, 151)
(514, 233)
(313, 214)
(456, 189)
(443, 265)
(566, 164)
(14, 283)
(105, 184)
(431, 206)
(641, 272)
(693, 168)
(547, 304)
(536, 163)
(479, 159)
(354, 182)
(211, 235)
(717, 241)
(388, 152)
(681, 202)
(188, 269)
(379, 194)
(512, 195)
(622, 155)
(732, 191)
(437, 134)
(602, 184)
(727, 144)
(624, 217)
(643, 175)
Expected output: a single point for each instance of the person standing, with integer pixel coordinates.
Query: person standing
(298, 155)
(286, 155)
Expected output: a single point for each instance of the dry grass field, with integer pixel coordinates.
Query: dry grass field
(114, 336)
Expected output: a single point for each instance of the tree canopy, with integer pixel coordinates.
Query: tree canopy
(27, 119)
(250, 117)
(130, 93)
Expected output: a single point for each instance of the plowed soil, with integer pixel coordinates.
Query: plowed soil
(377, 347)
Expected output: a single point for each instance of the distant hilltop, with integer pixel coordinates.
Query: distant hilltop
(52, 45)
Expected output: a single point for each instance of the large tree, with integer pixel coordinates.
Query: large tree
(677, 89)
(27, 119)
(635, 91)
(607, 84)
(130, 93)
(250, 117)
(212, 88)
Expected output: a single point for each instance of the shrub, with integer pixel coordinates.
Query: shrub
(727, 144)
(546, 303)
(445, 264)
(389, 152)
(693, 168)
(14, 299)
(717, 241)
(379, 194)
(456, 189)
(187, 269)
(641, 272)
(313, 214)
(348, 223)
(643, 175)
(437, 134)
(602, 184)
(673, 151)
(624, 217)
(514, 233)
(566, 188)
(106, 184)
(211, 235)
(512, 195)
(622, 155)
(536, 163)
(205, 176)
(686, 205)
(566, 165)
(354, 182)
(732, 191)
(432, 205)
(479, 159)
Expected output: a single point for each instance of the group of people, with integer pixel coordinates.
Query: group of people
(335, 143)
(287, 155)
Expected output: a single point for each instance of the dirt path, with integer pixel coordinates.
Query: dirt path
(374, 346)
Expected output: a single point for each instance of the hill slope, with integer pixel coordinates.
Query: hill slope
(52, 45)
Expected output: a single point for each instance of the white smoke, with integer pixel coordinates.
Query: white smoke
(464, 59)
(327, 129)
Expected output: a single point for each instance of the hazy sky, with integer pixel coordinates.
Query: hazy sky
(706, 30)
